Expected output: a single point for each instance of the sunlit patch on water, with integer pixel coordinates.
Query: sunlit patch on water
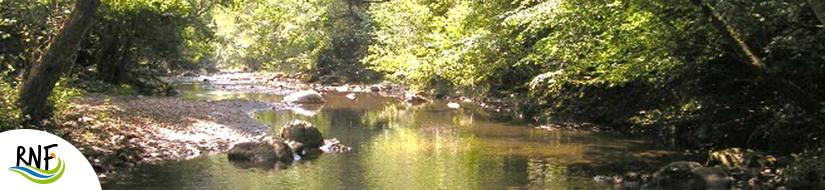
(395, 146)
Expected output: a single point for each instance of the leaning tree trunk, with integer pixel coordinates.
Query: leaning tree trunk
(63, 49)
(818, 7)
(785, 87)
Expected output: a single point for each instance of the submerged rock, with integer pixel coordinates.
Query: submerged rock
(305, 97)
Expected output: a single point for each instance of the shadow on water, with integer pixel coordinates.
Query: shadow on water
(396, 146)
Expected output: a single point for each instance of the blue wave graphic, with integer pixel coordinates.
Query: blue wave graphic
(31, 172)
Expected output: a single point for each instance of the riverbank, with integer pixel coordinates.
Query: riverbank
(281, 84)
(118, 132)
(717, 167)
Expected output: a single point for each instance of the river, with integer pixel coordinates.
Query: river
(396, 146)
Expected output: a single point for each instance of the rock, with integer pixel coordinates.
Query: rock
(386, 86)
(304, 133)
(332, 80)
(441, 95)
(305, 97)
(263, 153)
(334, 146)
(212, 70)
(277, 77)
(678, 175)
(415, 99)
(690, 175)
(715, 178)
(630, 180)
(375, 88)
(190, 74)
(604, 180)
(738, 157)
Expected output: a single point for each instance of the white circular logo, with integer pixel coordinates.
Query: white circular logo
(39, 160)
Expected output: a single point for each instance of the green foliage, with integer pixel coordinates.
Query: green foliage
(107, 88)
(61, 98)
(808, 172)
(423, 43)
(25, 28)
(280, 35)
(471, 43)
(153, 35)
(640, 65)
(323, 38)
(10, 116)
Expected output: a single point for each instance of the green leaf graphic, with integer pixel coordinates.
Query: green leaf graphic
(52, 171)
(49, 180)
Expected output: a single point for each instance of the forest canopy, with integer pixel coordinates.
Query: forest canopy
(715, 78)
(695, 70)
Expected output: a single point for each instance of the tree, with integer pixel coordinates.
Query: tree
(818, 7)
(785, 87)
(63, 49)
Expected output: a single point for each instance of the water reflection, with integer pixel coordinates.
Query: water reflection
(196, 91)
(400, 147)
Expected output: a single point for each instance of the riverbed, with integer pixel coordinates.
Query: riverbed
(401, 146)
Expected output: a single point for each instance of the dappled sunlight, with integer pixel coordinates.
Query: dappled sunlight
(426, 162)
(395, 145)
(416, 141)
(155, 128)
(424, 94)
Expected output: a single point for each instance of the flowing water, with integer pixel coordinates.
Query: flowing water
(396, 146)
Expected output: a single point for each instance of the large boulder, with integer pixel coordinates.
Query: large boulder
(261, 154)
(303, 133)
(305, 97)
(678, 175)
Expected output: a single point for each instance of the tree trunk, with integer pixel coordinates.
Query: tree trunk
(818, 7)
(111, 64)
(783, 86)
(63, 49)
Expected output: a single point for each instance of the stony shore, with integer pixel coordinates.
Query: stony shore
(118, 132)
